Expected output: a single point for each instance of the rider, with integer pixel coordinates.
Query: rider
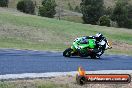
(99, 38)
(100, 43)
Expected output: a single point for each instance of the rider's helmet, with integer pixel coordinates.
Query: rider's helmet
(99, 36)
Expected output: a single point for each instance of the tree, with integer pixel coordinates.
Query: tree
(92, 10)
(70, 7)
(77, 9)
(130, 12)
(4, 3)
(26, 6)
(104, 21)
(120, 14)
(48, 8)
(108, 11)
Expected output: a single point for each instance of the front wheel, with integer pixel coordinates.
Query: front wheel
(67, 52)
(93, 56)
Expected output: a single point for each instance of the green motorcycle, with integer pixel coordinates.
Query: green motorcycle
(85, 49)
(81, 49)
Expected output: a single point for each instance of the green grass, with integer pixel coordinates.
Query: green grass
(76, 19)
(65, 28)
(6, 85)
(52, 85)
(32, 84)
(23, 31)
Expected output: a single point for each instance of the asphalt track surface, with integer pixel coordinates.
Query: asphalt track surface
(27, 61)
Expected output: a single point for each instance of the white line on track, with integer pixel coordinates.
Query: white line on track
(54, 74)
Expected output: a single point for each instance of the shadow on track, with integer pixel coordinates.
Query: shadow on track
(77, 57)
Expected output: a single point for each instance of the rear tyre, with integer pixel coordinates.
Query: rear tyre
(83, 53)
(67, 52)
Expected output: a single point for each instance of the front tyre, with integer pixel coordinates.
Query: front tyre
(93, 56)
(67, 52)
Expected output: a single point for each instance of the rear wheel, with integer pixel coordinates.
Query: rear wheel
(83, 53)
(67, 52)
